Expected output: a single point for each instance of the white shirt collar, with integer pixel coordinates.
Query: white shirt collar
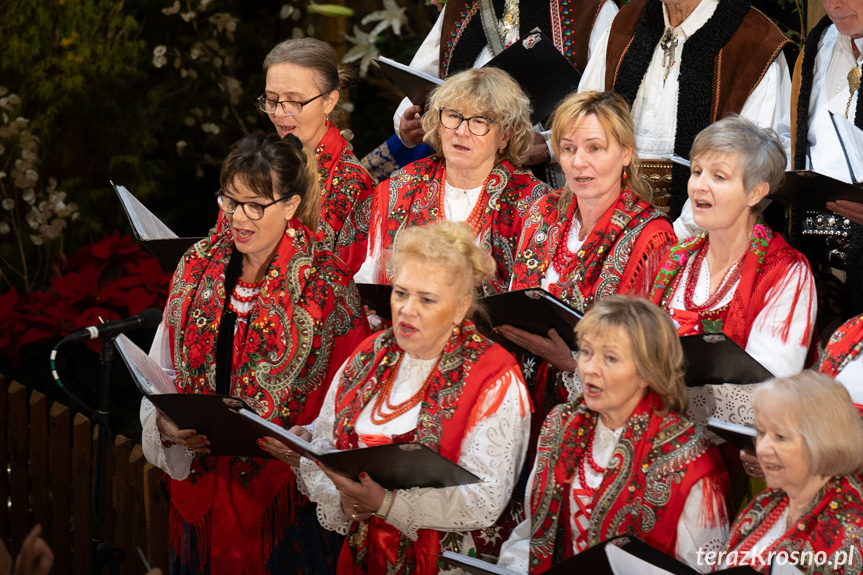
(695, 20)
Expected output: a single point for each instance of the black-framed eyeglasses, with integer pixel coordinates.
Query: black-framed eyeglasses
(253, 210)
(478, 125)
(289, 107)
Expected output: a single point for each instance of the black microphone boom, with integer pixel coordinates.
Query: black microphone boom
(146, 319)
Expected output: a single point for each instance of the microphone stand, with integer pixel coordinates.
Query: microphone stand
(107, 553)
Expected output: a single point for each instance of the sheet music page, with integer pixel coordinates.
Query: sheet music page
(304, 447)
(478, 564)
(784, 569)
(734, 427)
(414, 71)
(851, 138)
(147, 374)
(623, 563)
(145, 224)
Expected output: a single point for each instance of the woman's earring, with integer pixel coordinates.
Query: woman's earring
(327, 120)
(456, 330)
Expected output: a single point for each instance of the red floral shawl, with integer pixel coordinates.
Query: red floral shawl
(306, 321)
(833, 523)
(655, 464)
(618, 252)
(410, 198)
(844, 346)
(467, 370)
(345, 204)
(765, 267)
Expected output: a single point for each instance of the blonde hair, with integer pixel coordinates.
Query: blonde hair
(493, 94)
(613, 114)
(447, 244)
(653, 341)
(822, 412)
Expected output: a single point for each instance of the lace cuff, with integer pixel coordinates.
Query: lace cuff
(405, 512)
(312, 482)
(176, 460)
(571, 380)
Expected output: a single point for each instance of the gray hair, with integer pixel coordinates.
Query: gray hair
(494, 94)
(313, 54)
(831, 444)
(761, 152)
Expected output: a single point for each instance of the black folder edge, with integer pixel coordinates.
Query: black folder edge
(549, 63)
(557, 315)
(377, 297)
(217, 417)
(353, 461)
(413, 84)
(743, 369)
(168, 251)
(741, 436)
(810, 190)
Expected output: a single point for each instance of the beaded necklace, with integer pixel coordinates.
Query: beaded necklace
(758, 534)
(244, 299)
(728, 280)
(582, 472)
(378, 416)
(474, 220)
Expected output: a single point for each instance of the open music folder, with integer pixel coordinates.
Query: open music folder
(533, 310)
(622, 555)
(156, 237)
(545, 75)
(714, 359)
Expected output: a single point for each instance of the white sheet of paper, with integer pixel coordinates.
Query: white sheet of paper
(478, 563)
(144, 222)
(148, 375)
(623, 563)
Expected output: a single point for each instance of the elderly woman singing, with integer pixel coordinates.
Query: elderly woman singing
(739, 277)
(621, 459)
(263, 312)
(809, 448)
(478, 122)
(432, 379)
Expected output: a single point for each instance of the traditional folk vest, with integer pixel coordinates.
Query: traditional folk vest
(721, 65)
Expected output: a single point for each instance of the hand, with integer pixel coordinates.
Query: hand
(751, 465)
(411, 126)
(538, 151)
(359, 499)
(552, 348)
(35, 558)
(375, 321)
(187, 438)
(283, 451)
(847, 209)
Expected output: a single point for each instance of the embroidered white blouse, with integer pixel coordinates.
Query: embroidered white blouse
(494, 450)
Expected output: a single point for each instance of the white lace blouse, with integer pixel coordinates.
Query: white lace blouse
(494, 449)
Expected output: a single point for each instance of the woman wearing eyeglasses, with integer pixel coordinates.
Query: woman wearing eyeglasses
(303, 82)
(291, 317)
(478, 122)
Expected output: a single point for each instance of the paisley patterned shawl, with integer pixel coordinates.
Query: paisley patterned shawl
(844, 346)
(833, 523)
(655, 464)
(346, 201)
(609, 262)
(765, 267)
(411, 198)
(305, 322)
(469, 366)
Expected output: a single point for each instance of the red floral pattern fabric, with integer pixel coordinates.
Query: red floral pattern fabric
(411, 198)
(832, 524)
(655, 464)
(346, 201)
(305, 322)
(612, 259)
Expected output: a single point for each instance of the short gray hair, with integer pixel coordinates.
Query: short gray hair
(833, 445)
(494, 94)
(761, 152)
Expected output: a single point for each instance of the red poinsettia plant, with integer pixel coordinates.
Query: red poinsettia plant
(104, 281)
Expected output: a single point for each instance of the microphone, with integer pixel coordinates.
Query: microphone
(146, 319)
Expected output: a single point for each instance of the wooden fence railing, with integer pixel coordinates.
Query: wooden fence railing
(48, 460)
